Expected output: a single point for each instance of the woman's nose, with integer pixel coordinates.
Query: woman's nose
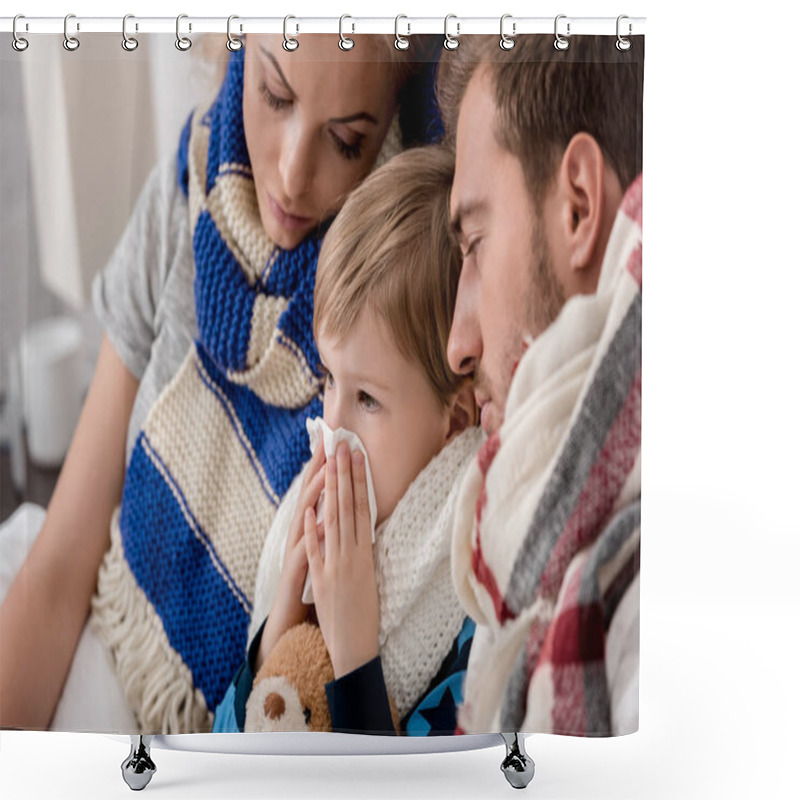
(465, 345)
(297, 162)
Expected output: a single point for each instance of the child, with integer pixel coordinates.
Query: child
(386, 283)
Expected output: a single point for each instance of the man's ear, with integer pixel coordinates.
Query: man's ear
(581, 176)
(462, 411)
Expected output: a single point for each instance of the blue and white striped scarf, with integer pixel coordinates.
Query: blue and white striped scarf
(219, 447)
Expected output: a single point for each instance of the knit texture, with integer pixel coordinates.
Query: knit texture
(420, 615)
(548, 524)
(220, 446)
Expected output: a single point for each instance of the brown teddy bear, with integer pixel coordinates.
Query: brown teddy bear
(288, 691)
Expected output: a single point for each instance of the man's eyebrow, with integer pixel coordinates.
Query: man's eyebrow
(462, 212)
(278, 69)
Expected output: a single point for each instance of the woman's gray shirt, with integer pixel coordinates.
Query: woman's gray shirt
(144, 298)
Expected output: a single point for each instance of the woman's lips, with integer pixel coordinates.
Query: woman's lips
(288, 221)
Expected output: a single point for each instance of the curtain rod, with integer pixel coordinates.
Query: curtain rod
(406, 25)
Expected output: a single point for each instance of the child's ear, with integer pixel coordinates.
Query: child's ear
(462, 412)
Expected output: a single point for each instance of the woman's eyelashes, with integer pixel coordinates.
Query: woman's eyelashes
(348, 149)
(273, 101)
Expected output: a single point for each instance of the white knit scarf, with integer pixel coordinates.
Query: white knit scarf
(420, 615)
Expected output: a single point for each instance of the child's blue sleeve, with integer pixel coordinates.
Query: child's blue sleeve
(435, 714)
(229, 714)
(358, 702)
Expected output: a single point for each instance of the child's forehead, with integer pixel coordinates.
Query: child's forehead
(367, 348)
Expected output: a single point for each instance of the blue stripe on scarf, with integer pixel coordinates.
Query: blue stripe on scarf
(223, 299)
(293, 275)
(278, 435)
(227, 144)
(197, 600)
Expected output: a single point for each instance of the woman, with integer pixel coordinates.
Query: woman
(205, 376)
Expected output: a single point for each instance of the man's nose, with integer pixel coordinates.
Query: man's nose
(296, 165)
(464, 345)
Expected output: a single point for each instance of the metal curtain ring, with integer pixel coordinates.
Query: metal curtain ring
(451, 42)
(70, 42)
(561, 43)
(233, 43)
(507, 42)
(290, 44)
(183, 43)
(129, 43)
(18, 43)
(345, 42)
(623, 43)
(400, 42)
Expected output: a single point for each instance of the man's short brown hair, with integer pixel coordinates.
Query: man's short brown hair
(544, 97)
(389, 249)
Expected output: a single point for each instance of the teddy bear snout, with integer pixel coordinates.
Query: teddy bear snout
(274, 705)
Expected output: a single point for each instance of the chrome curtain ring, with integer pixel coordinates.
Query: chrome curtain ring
(623, 43)
(451, 42)
(233, 44)
(290, 44)
(183, 43)
(18, 43)
(507, 42)
(400, 42)
(70, 42)
(129, 43)
(561, 42)
(345, 42)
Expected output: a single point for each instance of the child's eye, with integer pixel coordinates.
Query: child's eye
(274, 102)
(325, 374)
(368, 401)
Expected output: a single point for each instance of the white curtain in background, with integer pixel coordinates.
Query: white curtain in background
(112, 125)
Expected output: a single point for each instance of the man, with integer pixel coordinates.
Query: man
(546, 207)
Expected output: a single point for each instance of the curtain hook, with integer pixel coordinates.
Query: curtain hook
(183, 43)
(623, 43)
(18, 43)
(71, 43)
(561, 42)
(233, 43)
(290, 44)
(129, 43)
(451, 42)
(345, 42)
(400, 42)
(507, 42)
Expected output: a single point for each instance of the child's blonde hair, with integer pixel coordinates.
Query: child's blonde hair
(390, 249)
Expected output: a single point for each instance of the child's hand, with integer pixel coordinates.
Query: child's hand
(345, 592)
(288, 609)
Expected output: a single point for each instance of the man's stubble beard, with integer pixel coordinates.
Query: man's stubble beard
(543, 302)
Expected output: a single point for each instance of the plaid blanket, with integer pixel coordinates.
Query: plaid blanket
(547, 530)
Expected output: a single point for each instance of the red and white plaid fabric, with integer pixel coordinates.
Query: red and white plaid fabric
(547, 529)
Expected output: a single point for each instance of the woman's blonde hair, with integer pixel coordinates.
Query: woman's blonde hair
(389, 249)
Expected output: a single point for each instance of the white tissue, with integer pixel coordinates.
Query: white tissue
(316, 427)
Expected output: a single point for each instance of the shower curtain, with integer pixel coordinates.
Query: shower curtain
(165, 211)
